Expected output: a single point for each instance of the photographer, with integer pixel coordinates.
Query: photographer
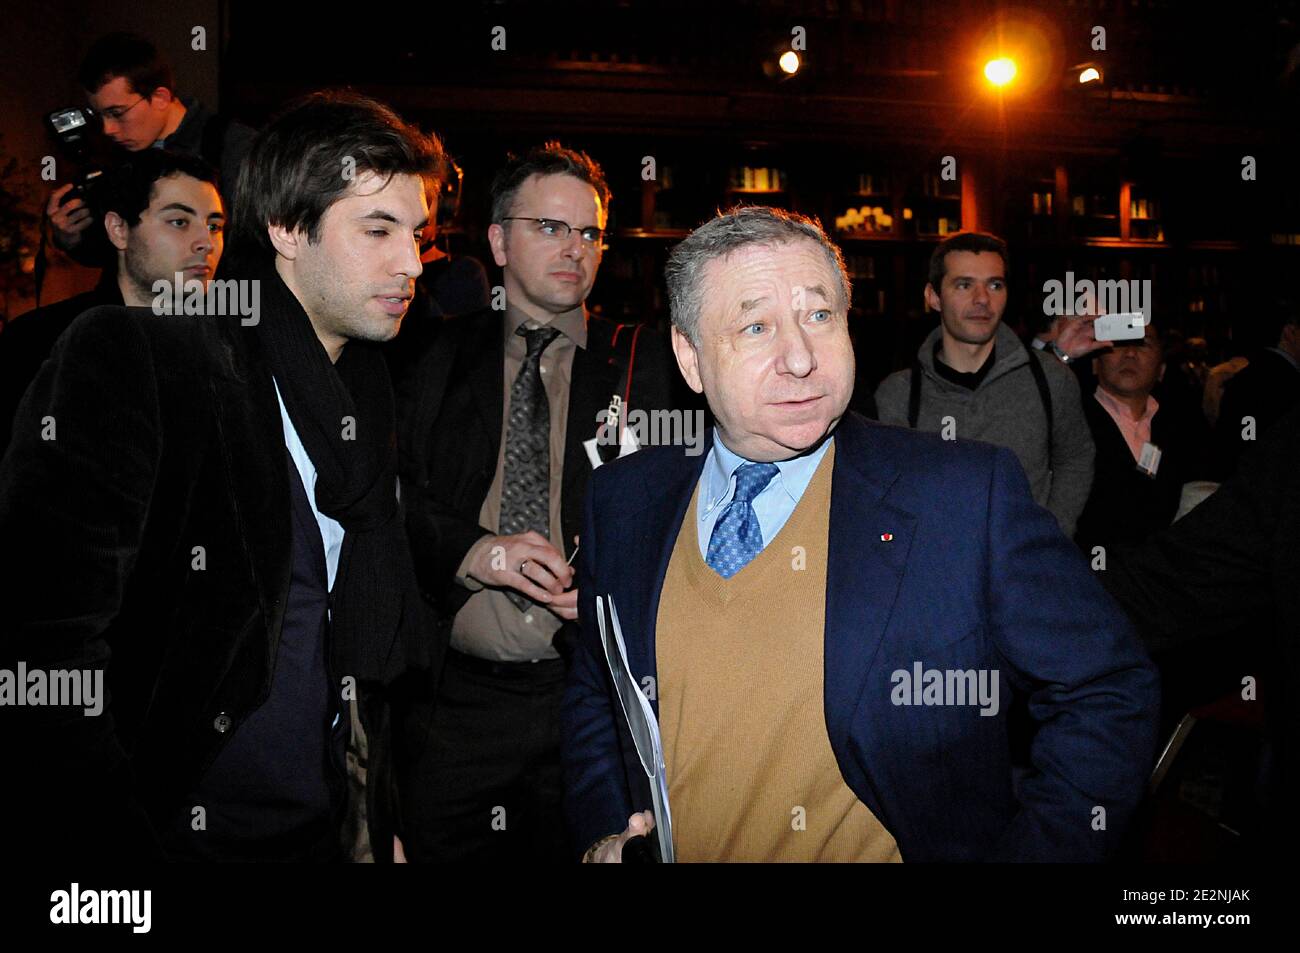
(132, 92)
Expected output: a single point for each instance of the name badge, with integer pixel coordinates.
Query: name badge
(1149, 459)
(627, 442)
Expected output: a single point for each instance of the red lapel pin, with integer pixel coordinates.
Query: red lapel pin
(886, 537)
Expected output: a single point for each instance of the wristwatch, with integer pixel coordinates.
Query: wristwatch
(1061, 355)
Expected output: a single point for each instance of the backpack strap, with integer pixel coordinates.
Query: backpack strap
(914, 394)
(1044, 394)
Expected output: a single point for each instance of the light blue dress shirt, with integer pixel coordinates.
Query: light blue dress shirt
(331, 531)
(772, 506)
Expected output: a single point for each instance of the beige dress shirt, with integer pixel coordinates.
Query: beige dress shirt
(488, 625)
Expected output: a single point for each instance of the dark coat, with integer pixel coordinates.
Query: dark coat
(28, 340)
(1266, 389)
(168, 438)
(973, 575)
(1230, 562)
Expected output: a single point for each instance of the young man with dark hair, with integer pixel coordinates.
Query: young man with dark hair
(973, 379)
(494, 468)
(210, 502)
(130, 87)
(163, 217)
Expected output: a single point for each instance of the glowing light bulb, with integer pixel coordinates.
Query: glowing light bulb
(1000, 71)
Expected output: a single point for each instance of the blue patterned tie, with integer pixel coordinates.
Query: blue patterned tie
(736, 536)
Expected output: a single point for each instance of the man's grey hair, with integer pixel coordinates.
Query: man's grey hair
(724, 234)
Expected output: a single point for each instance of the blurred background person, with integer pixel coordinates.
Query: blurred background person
(1264, 391)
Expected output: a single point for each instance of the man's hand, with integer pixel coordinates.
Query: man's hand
(399, 854)
(1077, 337)
(610, 850)
(69, 220)
(527, 563)
(565, 605)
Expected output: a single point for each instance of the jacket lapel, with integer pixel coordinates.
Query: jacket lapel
(864, 571)
(653, 529)
(484, 369)
(591, 384)
(253, 451)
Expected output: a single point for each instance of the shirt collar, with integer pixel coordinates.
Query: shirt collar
(1117, 407)
(793, 475)
(572, 324)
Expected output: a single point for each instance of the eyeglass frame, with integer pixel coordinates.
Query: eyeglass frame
(596, 242)
(104, 116)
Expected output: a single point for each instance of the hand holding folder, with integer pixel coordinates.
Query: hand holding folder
(644, 729)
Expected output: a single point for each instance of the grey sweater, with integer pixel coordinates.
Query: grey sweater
(1006, 409)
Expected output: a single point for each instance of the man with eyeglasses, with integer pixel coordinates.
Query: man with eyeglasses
(497, 421)
(132, 92)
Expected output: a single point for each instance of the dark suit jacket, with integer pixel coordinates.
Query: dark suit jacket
(450, 412)
(976, 576)
(1125, 505)
(1230, 562)
(168, 437)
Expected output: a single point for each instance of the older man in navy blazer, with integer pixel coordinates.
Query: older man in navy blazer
(831, 617)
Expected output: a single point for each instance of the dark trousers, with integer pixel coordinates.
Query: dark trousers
(481, 783)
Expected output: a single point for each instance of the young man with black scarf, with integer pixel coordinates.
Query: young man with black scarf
(212, 518)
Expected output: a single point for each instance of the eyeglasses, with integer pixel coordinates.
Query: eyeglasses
(559, 231)
(116, 113)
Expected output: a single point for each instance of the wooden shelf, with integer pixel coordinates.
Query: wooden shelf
(654, 233)
(1131, 243)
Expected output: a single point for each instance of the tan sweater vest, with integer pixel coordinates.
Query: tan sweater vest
(751, 774)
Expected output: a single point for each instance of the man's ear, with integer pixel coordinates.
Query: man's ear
(287, 243)
(688, 360)
(117, 229)
(161, 98)
(932, 298)
(497, 239)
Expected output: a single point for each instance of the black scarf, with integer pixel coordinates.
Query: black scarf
(343, 413)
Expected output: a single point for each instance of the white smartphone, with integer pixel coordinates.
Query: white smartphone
(1125, 326)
